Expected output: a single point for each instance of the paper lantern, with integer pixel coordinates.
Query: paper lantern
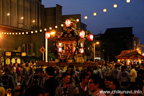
(68, 22)
(47, 35)
(60, 50)
(82, 34)
(90, 37)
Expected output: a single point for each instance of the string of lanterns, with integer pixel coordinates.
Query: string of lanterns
(50, 28)
(105, 10)
(29, 32)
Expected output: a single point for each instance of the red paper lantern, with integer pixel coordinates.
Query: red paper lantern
(90, 37)
(68, 22)
(82, 34)
(60, 50)
(47, 34)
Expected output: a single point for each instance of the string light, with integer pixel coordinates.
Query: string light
(16, 33)
(50, 28)
(36, 31)
(128, 1)
(33, 21)
(26, 32)
(85, 17)
(22, 32)
(115, 5)
(8, 14)
(22, 18)
(56, 27)
(40, 30)
(61, 25)
(104, 10)
(12, 33)
(94, 13)
(31, 32)
(19, 33)
(77, 20)
(45, 29)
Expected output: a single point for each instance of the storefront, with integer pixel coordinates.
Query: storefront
(13, 57)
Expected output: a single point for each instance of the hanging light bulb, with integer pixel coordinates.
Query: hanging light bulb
(35, 31)
(33, 21)
(61, 25)
(16, 33)
(104, 10)
(50, 28)
(128, 1)
(85, 17)
(22, 18)
(8, 14)
(77, 20)
(12, 33)
(23, 33)
(31, 32)
(19, 33)
(26, 32)
(40, 30)
(45, 29)
(115, 5)
(56, 27)
(94, 13)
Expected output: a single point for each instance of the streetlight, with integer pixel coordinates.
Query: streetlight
(96, 43)
(47, 36)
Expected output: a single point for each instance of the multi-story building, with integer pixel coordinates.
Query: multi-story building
(114, 40)
(17, 17)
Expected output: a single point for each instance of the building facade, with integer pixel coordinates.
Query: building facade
(17, 17)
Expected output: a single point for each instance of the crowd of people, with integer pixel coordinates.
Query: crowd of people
(101, 80)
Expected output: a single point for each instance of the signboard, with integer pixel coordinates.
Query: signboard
(42, 49)
(7, 53)
(23, 54)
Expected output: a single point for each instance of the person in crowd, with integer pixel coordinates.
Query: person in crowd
(2, 90)
(33, 79)
(107, 81)
(140, 78)
(65, 89)
(89, 72)
(124, 78)
(42, 77)
(133, 73)
(51, 83)
(82, 87)
(8, 80)
(105, 70)
(34, 90)
(115, 72)
(115, 87)
(74, 79)
(96, 85)
(14, 74)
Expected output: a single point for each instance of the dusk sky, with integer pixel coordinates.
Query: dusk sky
(125, 15)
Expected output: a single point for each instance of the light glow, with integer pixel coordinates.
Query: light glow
(94, 13)
(105, 10)
(85, 17)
